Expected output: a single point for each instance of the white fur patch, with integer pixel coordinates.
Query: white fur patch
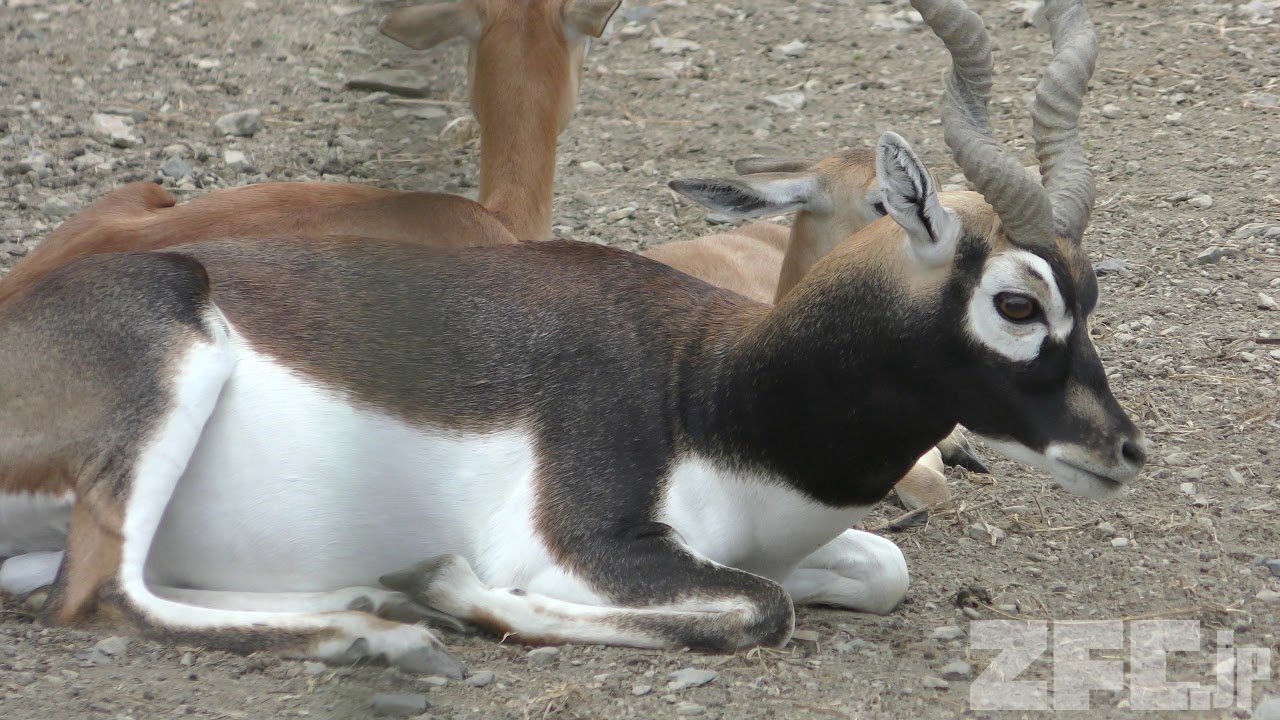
(32, 571)
(1025, 273)
(31, 522)
(1070, 477)
(749, 523)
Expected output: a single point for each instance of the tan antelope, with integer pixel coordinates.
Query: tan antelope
(525, 71)
(832, 198)
(584, 445)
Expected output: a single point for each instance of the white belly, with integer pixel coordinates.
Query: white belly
(292, 488)
(750, 523)
(32, 522)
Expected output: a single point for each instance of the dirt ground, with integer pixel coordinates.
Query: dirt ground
(1183, 128)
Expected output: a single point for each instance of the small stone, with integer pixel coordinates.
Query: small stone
(236, 161)
(674, 46)
(37, 161)
(794, 100)
(1187, 488)
(115, 129)
(400, 704)
(1272, 565)
(1119, 542)
(178, 150)
(208, 64)
(176, 168)
(1202, 202)
(1210, 255)
(985, 533)
(1106, 528)
(484, 678)
(242, 123)
(544, 657)
(934, 683)
(958, 670)
(314, 669)
(1174, 119)
(946, 632)
(591, 167)
(620, 214)
(113, 646)
(1178, 458)
(793, 49)
(1268, 596)
(1195, 473)
(56, 207)
(1266, 302)
(1109, 266)
(690, 678)
(1111, 111)
(639, 690)
(689, 709)
(434, 681)
(406, 83)
(1262, 100)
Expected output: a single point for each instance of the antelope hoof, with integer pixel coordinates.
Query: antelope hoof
(957, 449)
(431, 661)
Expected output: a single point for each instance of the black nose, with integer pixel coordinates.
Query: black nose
(1134, 452)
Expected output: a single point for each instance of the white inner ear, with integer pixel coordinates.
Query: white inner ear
(1027, 274)
(757, 195)
(911, 199)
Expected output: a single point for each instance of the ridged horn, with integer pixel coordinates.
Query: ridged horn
(1055, 116)
(1022, 203)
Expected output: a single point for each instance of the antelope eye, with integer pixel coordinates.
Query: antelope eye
(1017, 308)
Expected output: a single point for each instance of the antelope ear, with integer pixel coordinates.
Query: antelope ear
(910, 197)
(589, 17)
(764, 164)
(755, 196)
(424, 26)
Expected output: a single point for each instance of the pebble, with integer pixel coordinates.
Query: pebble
(958, 670)
(934, 683)
(400, 704)
(620, 214)
(1268, 596)
(242, 123)
(434, 681)
(484, 678)
(1187, 488)
(690, 678)
(639, 690)
(1174, 119)
(1263, 99)
(794, 100)
(311, 668)
(1268, 709)
(1110, 265)
(544, 656)
(984, 533)
(795, 49)
(946, 632)
(1272, 565)
(179, 150)
(113, 646)
(56, 207)
(403, 82)
(36, 161)
(1178, 458)
(1213, 254)
(1119, 542)
(1111, 111)
(1202, 202)
(88, 160)
(1266, 302)
(176, 168)
(674, 46)
(236, 161)
(689, 709)
(115, 129)
(591, 167)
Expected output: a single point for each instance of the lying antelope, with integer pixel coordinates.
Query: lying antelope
(587, 445)
(525, 72)
(832, 198)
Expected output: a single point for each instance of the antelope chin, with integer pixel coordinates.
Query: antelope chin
(1070, 466)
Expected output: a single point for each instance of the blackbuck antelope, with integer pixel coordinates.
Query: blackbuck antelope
(560, 441)
(525, 72)
(832, 198)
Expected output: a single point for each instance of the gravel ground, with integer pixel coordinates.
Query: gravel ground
(1183, 127)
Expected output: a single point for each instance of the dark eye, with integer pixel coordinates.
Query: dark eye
(879, 208)
(1017, 308)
